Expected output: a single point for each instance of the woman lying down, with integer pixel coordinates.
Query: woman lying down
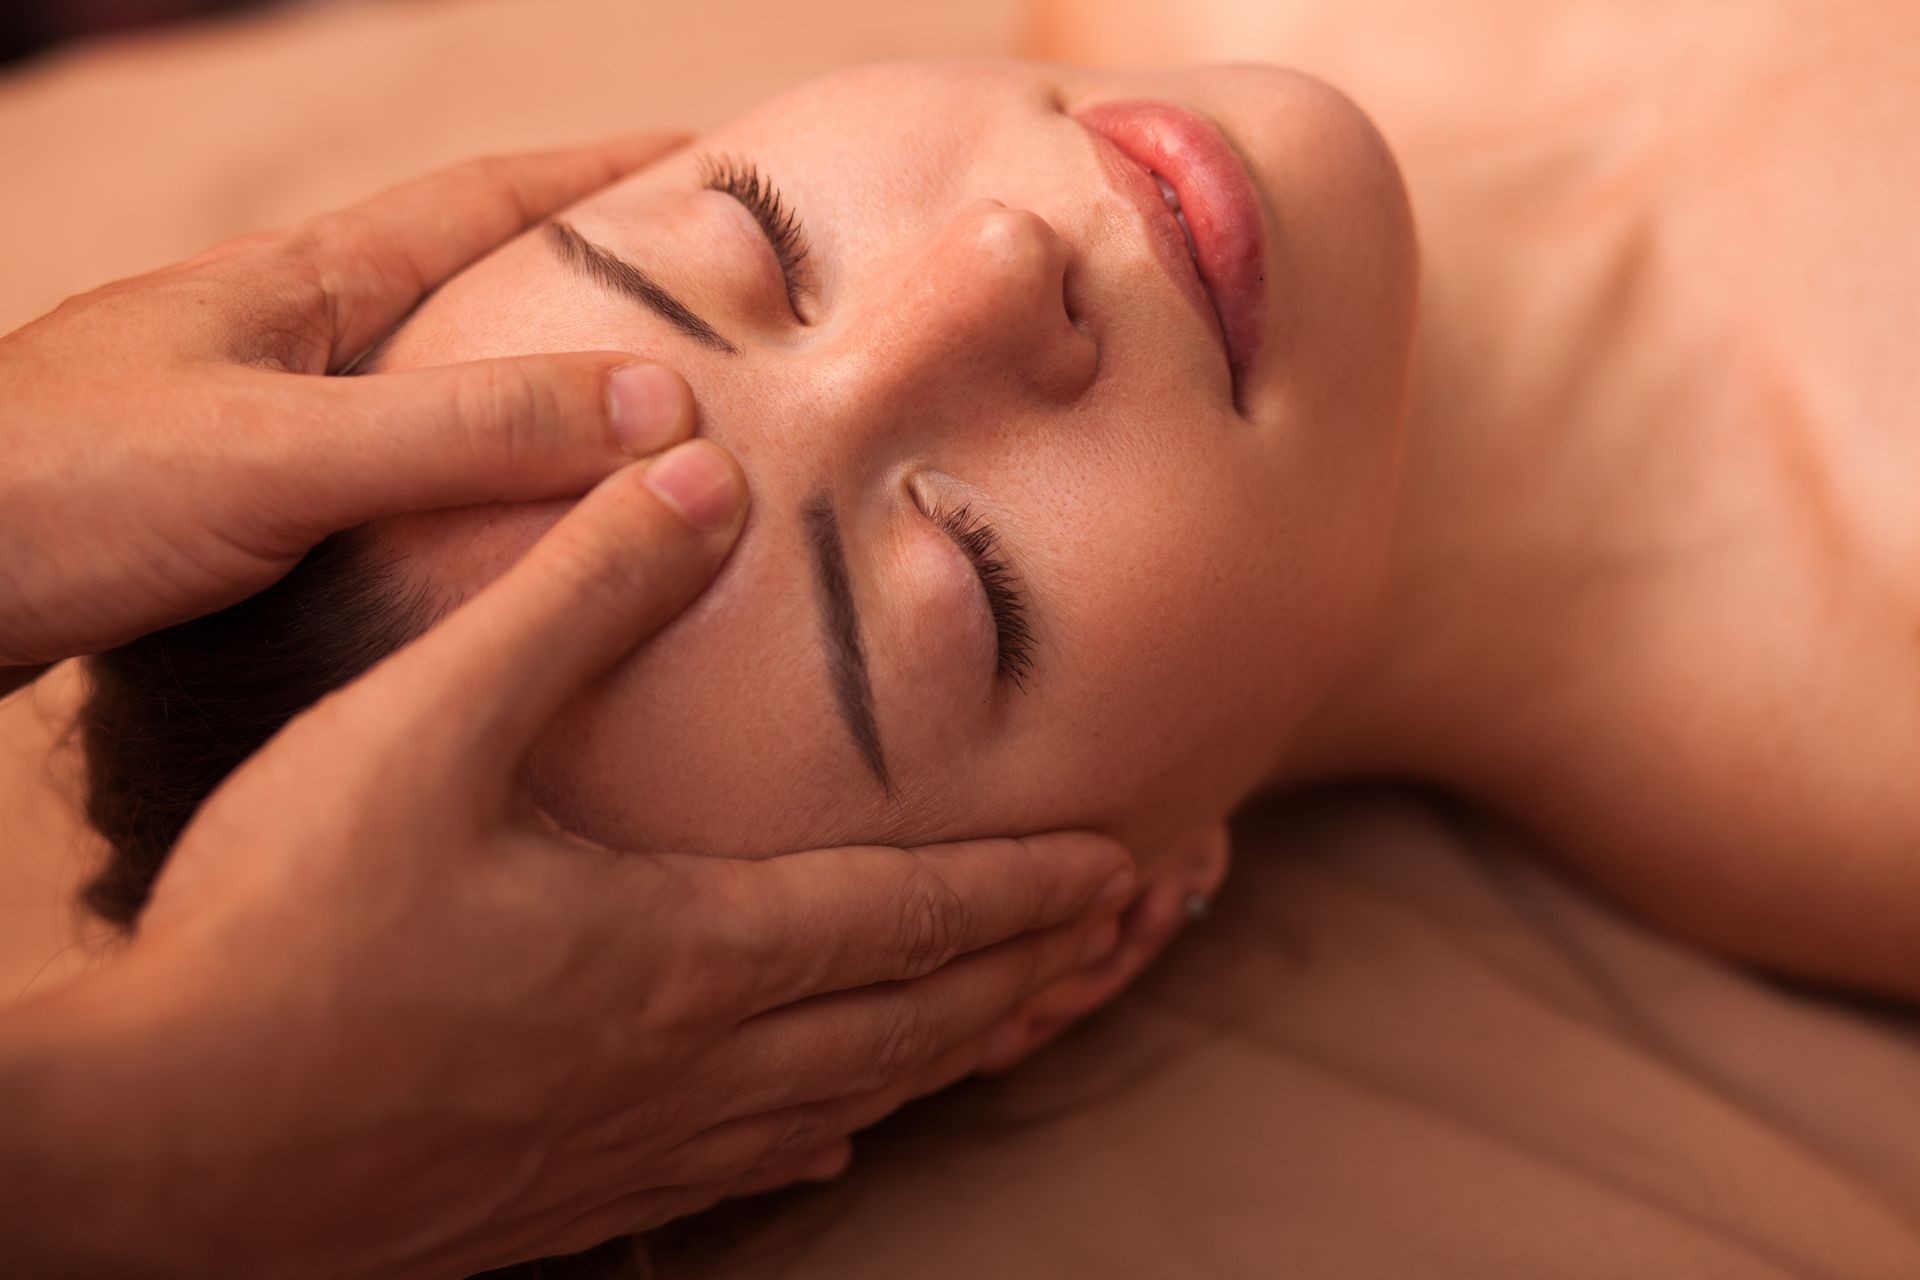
(1075, 408)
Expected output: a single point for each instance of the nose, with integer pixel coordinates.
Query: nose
(988, 306)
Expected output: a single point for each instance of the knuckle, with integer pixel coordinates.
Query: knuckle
(801, 1129)
(701, 991)
(933, 919)
(81, 309)
(505, 413)
(1032, 889)
(599, 549)
(715, 892)
(298, 253)
(492, 180)
(587, 574)
(906, 1044)
(290, 309)
(500, 175)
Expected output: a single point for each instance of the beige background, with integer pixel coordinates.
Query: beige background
(135, 153)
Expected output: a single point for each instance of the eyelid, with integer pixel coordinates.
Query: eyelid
(778, 221)
(979, 541)
(1000, 585)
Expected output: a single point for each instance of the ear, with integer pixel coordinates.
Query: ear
(1184, 870)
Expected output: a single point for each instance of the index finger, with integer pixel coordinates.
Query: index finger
(805, 924)
(379, 257)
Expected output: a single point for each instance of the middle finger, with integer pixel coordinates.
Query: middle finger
(871, 1038)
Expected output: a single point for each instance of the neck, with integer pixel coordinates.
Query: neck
(1531, 499)
(1488, 586)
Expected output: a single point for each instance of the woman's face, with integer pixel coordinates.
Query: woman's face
(1098, 535)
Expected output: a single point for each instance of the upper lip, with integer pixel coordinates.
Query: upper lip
(1225, 275)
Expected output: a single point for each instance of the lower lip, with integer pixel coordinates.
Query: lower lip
(1217, 198)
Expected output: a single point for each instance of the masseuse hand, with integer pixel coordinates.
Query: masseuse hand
(383, 1018)
(168, 451)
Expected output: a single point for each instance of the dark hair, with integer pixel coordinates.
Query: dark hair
(170, 715)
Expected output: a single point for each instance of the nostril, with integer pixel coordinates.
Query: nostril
(1070, 299)
(1024, 281)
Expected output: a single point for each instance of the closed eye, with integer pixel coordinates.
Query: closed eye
(785, 234)
(1013, 634)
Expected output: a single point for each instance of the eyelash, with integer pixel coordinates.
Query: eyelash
(743, 180)
(1014, 637)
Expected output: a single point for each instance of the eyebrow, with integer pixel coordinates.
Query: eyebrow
(840, 620)
(621, 276)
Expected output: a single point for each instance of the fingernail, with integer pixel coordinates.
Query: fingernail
(649, 408)
(1100, 943)
(695, 480)
(1117, 890)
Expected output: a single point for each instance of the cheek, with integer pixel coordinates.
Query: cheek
(1186, 686)
(1187, 624)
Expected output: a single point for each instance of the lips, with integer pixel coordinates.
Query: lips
(1202, 213)
(1172, 200)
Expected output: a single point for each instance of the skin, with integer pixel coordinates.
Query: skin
(1474, 704)
(260, 465)
(607, 1040)
(1697, 565)
(1655, 592)
(937, 357)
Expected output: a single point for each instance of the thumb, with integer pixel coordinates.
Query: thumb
(621, 565)
(515, 429)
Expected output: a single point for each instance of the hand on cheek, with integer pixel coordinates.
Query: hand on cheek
(1196, 867)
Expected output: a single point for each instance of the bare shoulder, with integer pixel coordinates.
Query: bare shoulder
(1740, 759)
(1735, 748)
(1716, 397)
